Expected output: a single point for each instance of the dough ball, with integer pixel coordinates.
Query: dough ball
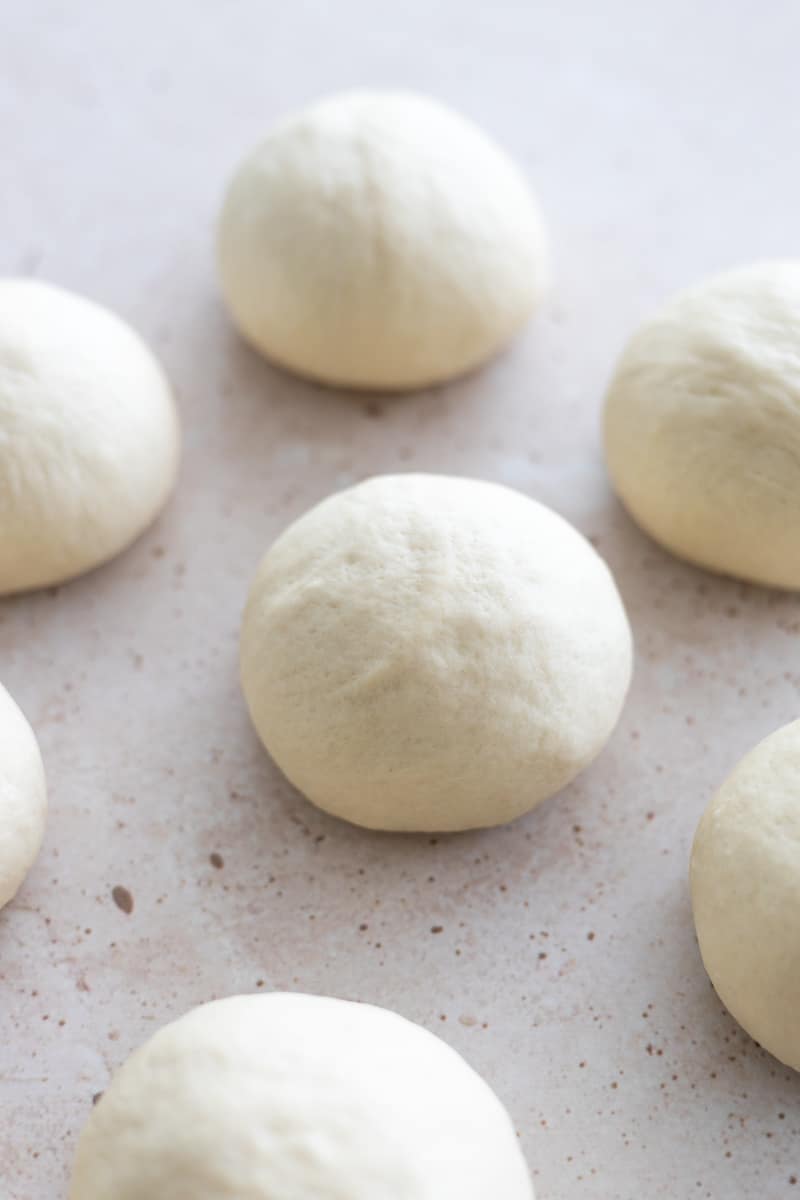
(88, 435)
(23, 798)
(292, 1097)
(427, 653)
(745, 878)
(379, 240)
(703, 425)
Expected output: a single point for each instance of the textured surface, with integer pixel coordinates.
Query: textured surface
(23, 798)
(745, 884)
(355, 246)
(283, 1096)
(702, 424)
(425, 653)
(89, 435)
(557, 954)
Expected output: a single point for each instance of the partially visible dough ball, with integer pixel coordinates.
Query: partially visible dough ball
(428, 653)
(294, 1097)
(23, 798)
(379, 240)
(745, 879)
(703, 425)
(88, 435)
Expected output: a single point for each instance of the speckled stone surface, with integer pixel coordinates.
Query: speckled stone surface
(557, 954)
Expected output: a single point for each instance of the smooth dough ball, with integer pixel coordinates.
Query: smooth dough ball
(23, 798)
(88, 435)
(703, 425)
(294, 1097)
(379, 240)
(428, 653)
(745, 879)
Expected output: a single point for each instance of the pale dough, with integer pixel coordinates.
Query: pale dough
(295, 1097)
(88, 435)
(429, 653)
(379, 240)
(745, 878)
(23, 798)
(703, 425)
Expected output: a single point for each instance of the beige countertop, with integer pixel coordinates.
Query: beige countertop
(557, 954)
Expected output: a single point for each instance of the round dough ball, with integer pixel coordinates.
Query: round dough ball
(379, 240)
(703, 425)
(293, 1097)
(23, 798)
(88, 435)
(745, 880)
(427, 653)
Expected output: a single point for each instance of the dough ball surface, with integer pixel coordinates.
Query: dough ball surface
(745, 880)
(88, 435)
(380, 240)
(295, 1097)
(703, 425)
(23, 798)
(430, 653)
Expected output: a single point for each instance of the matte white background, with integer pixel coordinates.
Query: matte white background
(662, 139)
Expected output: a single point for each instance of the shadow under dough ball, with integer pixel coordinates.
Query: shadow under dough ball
(23, 798)
(702, 425)
(298, 1096)
(745, 880)
(430, 653)
(89, 435)
(379, 240)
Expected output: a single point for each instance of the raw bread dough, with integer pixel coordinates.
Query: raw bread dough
(88, 435)
(379, 240)
(23, 798)
(745, 878)
(703, 425)
(293, 1097)
(428, 653)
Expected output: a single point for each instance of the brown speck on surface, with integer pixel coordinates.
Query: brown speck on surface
(590, 936)
(158, 552)
(216, 860)
(437, 928)
(96, 1098)
(123, 899)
